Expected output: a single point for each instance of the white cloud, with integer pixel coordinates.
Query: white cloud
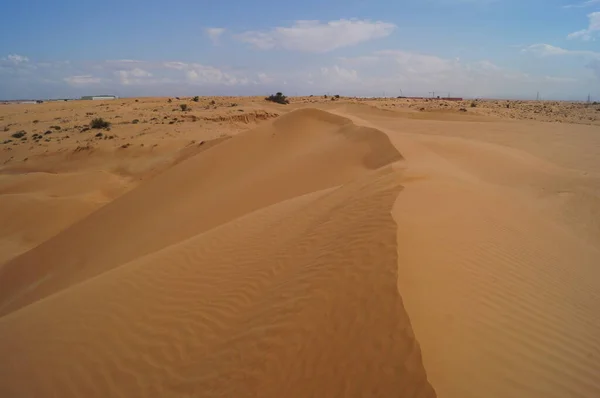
(318, 37)
(587, 3)
(133, 76)
(592, 29)
(82, 80)
(215, 34)
(545, 50)
(337, 74)
(17, 59)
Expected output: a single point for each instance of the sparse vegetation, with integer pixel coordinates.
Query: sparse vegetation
(278, 98)
(170, 100)
(183, 107)
(213, 102)
(99, 135)
(99, 123)
(196, 99)
(55, 127)
(473, 104)
(337, 96)
(19, 134)
(135, 121)
(48, 132)
(36, 121)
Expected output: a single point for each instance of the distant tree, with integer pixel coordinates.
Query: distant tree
(278, 98)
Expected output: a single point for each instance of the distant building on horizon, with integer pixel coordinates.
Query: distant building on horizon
(99, 97)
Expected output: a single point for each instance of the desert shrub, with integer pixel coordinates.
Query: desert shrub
(278, 98)
(135, 121)
(196, 99)
(48, 132)
(55, 127)
(99, 123)
(36, 121)
(213, 102)
(19, 134)
(99, 135)
(473, 104)
(183, 107)
(170, 100)
(337, 96)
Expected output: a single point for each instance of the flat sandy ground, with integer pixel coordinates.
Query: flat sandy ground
(326, 248)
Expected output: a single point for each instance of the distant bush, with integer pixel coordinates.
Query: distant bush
(213, 102)
(99, 135)
(19, 134)
(473, 104)
(196, 99)
(36, 121)
(183, 107)
(170, 100)
(48, 132)
(278, 98)
(55, 127)
(337, 96)
(99, 123)
(135, 121)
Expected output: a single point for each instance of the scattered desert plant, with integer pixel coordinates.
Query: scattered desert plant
(55, 127)
(19, 134)
(99, 123)
(99, 135)
(135, 121)
(473, 104)
(36, 121)
(170, 100)
(183, 107)
(48, 132)
(337, 96)
(196, 99)
(278, 98)
(213, 102)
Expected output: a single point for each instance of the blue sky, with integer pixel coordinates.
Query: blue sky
(470, 48)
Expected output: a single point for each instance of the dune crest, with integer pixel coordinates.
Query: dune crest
(296, 296)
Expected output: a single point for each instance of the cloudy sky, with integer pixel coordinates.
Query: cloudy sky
(470, 48)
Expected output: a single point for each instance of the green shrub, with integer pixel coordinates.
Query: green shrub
(278, 98)
(99, 123)
(196, 99)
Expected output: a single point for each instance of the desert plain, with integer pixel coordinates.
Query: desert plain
(341, 247)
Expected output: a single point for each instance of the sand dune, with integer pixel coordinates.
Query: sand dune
(357, 249)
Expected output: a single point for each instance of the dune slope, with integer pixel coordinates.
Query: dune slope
(301, 152)
(297, 297)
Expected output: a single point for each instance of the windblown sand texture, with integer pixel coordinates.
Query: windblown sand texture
(325, 248)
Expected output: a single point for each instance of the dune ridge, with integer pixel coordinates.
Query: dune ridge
(290, 291)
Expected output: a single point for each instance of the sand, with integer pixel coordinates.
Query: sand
(323, 248)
